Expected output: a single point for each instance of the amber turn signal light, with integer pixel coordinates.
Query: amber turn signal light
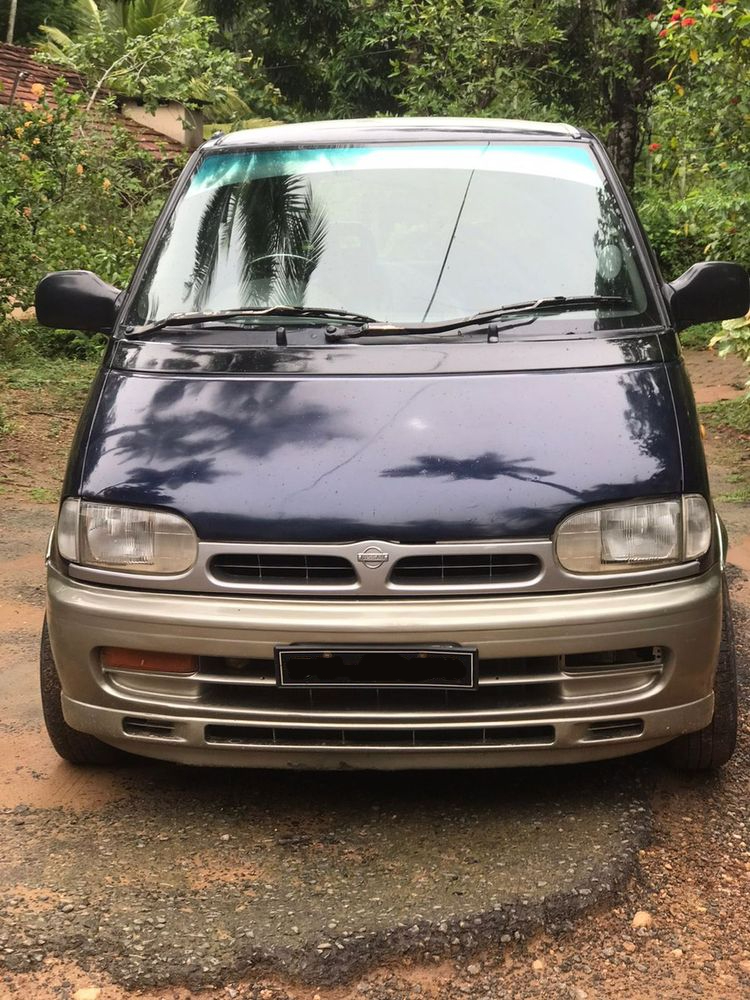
(117, 658)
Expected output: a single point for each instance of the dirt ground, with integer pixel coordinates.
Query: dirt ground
(689, 881)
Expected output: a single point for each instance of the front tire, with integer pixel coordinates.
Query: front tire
(75, 747)
(710, 748)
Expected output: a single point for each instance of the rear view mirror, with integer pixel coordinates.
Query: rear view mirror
(708, 293)
(76, 300)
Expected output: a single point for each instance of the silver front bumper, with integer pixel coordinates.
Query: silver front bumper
(605, 713)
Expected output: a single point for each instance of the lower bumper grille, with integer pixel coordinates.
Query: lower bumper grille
(290, 736)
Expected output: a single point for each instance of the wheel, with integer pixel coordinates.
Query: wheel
(78, 748)
(713, 746)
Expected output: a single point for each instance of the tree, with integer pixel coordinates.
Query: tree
(30, 14)
(292, 40)
(486, 57)
(151, 50)
(608, 74)
(12, 11)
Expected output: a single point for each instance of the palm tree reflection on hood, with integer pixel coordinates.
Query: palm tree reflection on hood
(278, 230)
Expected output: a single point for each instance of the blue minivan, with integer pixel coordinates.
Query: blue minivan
(392, 461)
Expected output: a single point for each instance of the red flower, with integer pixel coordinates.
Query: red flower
(734, 100)
(677, 14)
(687, 21)
(654, 147)
(663, 33)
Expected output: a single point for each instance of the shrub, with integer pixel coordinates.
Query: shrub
(75, 192)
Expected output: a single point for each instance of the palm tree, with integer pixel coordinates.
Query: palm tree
(133, 17)
(11, 21)
(118, 22)
(281, 232)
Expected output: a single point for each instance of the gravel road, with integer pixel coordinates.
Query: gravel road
(167, 882)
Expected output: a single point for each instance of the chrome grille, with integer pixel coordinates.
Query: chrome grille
(465, 569)
(277, 568)
(379, 569)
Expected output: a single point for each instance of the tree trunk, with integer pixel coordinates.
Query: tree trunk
(11, 21)
(623, 143)
(629, 95)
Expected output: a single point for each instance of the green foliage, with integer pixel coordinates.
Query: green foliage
(75, 192)
(151, 50)
(31, 13)
(487, 57)
(734, 338)
(292, 43)
(694, 187)
(23, 341)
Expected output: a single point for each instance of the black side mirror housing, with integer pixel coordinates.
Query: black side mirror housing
(708, 293)
(76, 300)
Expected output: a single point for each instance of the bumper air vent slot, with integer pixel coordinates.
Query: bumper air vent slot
(614, 729)
(467, 569)
(616, 660)
(279, 569)
(154, 729)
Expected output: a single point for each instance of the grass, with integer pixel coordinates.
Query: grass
(732, 415)
(697, 337)
(42, 495)
(729, 422)
(6, 424)
(736, 496)
(41, 400)
(60, 376)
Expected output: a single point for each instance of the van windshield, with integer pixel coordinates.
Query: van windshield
(409, 233)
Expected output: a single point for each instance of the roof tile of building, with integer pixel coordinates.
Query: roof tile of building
(19, 72)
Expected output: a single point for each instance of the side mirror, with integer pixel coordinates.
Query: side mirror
(708, 293)
(76, 300)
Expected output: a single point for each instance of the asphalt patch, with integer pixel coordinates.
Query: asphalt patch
(195, 876)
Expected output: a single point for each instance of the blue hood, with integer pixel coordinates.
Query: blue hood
(292, 454)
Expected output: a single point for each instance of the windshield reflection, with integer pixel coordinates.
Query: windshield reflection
(404, 234)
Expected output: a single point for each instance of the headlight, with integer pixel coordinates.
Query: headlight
(108, 536)
(634, 536)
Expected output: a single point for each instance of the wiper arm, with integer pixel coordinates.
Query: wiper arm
(193, 318)
(558, 303)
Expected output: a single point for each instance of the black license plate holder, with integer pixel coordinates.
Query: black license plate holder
(376, 666)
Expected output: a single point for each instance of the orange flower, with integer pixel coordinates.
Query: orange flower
(79, 169)
(24, 158)
(37, 89)
(27, 212)
(106, 184)
(28, 106)
(36, 141)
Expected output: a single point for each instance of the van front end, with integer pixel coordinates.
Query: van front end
(392, 462)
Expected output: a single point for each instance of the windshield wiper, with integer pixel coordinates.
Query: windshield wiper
(324, 314)
(556, 303)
